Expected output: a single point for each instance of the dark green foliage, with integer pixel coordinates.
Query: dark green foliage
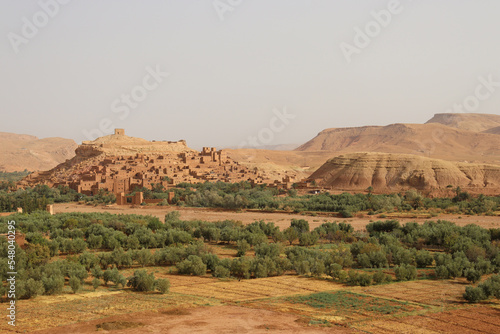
(95, 283)
(474, 294)
(405, 272)
(379, 277)
(144, 257)
(472, 275)
(97, 272)
(53, 285)
(162, 285)
(243, 247)
(301, 225)
(291, 234)
(240, 267)
(382, 227)
(423, 258)
(142, 281)
(193, 265)
(32, 288)
(364, 279)
(308, 238)
(211, 260)
(75, 284)
(485, 290)
(12, 177)
(268, 250)
(221, 272)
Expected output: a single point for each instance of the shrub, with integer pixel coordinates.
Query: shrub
(364, 279)
(32, 288)
(308, 238)
(474, 294)
(95, 283)
(162, 285)
(221, 272)
(243, 247)
(96, 272)
(53, 284)
(442, 272)
(301, 225)
(193, 265)
(75, 284)
(472, 275)
(423, 259)
(379, 277)
(405, 272)
(142, 281)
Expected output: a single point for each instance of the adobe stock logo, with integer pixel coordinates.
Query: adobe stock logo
(222, 7)
(126, 102)
(373, 28)
(30, 28)
(482, 92)
(265, 136)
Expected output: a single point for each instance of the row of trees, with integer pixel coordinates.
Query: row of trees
(37, 198)
(243, 195)
(332, 249)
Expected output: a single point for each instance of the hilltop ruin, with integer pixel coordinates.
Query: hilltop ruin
(121, 164)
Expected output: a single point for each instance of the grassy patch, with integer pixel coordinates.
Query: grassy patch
(348, 301)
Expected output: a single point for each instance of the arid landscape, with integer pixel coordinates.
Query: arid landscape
(231, 166)
(291, 301)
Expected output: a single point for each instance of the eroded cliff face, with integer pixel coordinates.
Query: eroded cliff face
(393, 172)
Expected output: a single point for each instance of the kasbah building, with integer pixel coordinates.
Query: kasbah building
(122, 174)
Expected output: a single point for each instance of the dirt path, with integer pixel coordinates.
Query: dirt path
(216, 319)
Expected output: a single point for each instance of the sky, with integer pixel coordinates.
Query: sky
(242, 73)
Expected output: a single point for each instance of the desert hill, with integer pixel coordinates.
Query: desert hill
(121, 144)
(300, 163)
(495, 130)
(431, 140)
(467, 121)
(120, 164)
(19, 152)
(387, 172)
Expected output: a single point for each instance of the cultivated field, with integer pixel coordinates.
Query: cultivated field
(284, 304)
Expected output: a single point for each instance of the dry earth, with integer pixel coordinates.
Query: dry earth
(216, 319)
(432, 140)
(471, 122)
(20, 152)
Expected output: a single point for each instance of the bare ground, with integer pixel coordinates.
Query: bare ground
(215, 319)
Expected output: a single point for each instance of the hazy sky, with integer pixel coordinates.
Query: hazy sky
(232, 62)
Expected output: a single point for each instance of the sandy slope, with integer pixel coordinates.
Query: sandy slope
(20, 152)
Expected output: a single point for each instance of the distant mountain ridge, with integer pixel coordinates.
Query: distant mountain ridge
(19, 152)
(443, 137)
(469, 122)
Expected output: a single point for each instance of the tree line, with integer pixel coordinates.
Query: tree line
(101, 244)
